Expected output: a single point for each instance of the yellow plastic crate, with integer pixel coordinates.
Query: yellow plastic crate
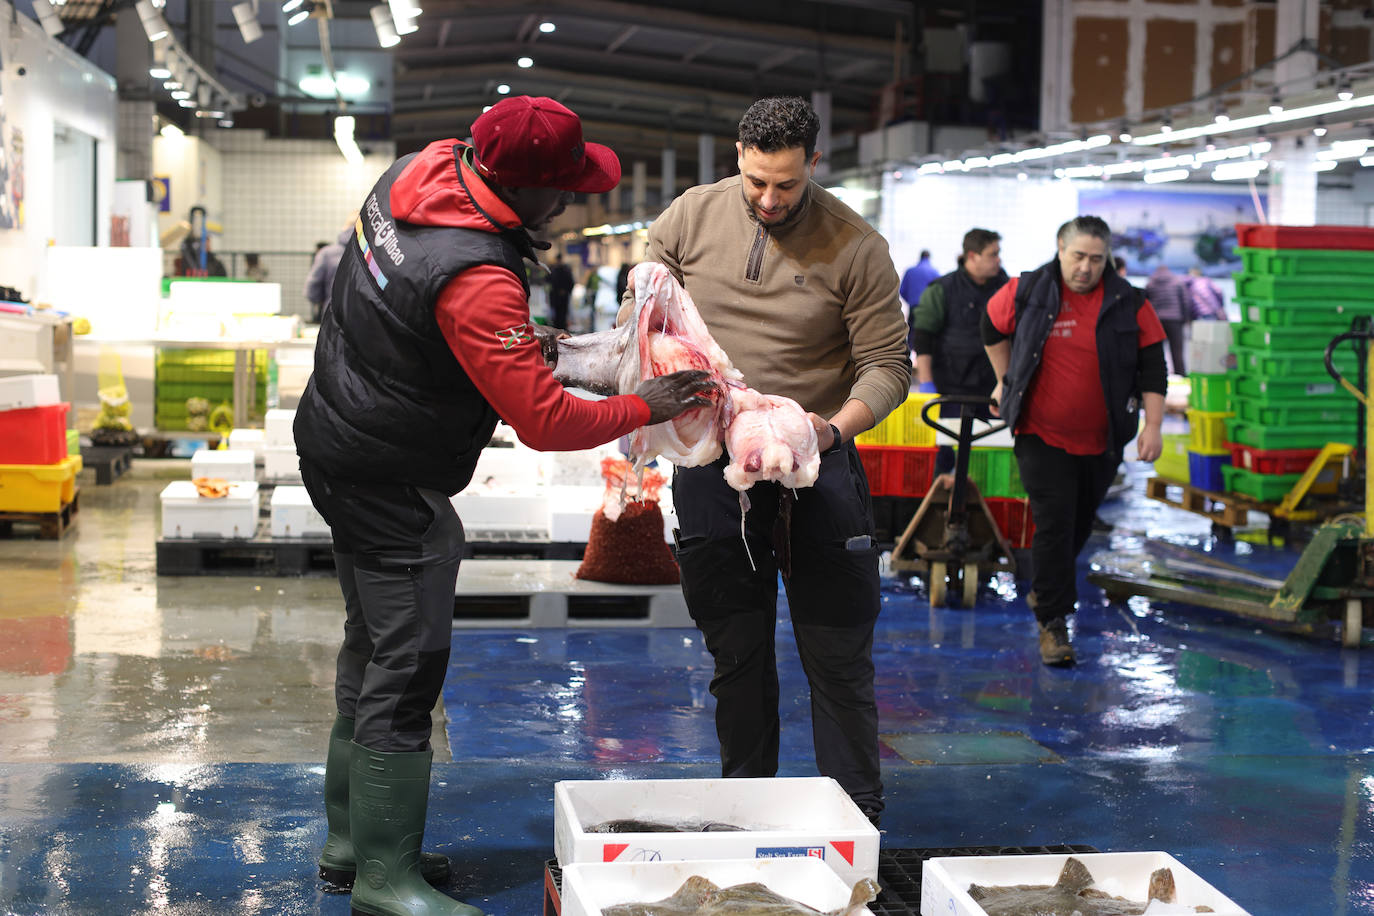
(1207, 431)
(1173, 460)
(903, 426)
(38, 487)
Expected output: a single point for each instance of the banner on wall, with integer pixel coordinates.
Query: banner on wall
(1179, 229)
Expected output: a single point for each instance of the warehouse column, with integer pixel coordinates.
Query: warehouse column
(706, 159)
(820, 101)
(641, 179)
(669, 183)
(1293, 180)
(137, 108)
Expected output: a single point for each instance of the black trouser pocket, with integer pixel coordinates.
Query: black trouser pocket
(718, 579)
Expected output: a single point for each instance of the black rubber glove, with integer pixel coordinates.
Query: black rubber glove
(548, 342)
(671, 395)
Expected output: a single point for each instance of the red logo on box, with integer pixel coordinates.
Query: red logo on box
(610, 850)
(845, 848)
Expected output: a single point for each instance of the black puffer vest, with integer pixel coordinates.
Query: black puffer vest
(1118, 347)
(959, 364)
(388, 400)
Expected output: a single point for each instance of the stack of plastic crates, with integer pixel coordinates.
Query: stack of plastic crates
(1209, 406)
(1300, 287)
(208, 374)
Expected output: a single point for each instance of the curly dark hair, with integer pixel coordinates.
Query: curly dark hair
(780, 123)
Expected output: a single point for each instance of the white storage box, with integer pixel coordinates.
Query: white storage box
(294, 516)
(572, 508)
(519, 468)
(1209, 348)
(797, 817)
(590, 887)
(278, 429)
(500, 514)
(230, 464)
(20, 391)
(187, 514)
(26, 342)
(945, 880)
(280, 462)
(250, 439)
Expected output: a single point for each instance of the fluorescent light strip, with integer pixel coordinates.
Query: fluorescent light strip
(1232, 171)
(1167, 175)
(1246, 123)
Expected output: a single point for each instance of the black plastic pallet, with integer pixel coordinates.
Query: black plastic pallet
(899, 873)
(237, 557)
(525, 550)
(109, 461)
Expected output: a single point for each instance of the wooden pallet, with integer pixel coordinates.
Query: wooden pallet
(52, 526)
(1230, 510)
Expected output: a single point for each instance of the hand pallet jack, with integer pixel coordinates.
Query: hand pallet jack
(953, 540)
(1333, 579)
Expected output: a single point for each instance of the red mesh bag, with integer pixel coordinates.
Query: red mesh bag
(626, 543)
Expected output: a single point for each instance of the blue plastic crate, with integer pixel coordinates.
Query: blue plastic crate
(1204, 471)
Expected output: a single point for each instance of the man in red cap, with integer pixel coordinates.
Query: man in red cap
(426, 344)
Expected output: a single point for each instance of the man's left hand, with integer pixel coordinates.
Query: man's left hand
(548, 338)
(825, 437)
(1150, 445)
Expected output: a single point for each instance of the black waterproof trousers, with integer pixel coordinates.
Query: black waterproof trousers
(829, 563)
(396, 551)
(1065, 491)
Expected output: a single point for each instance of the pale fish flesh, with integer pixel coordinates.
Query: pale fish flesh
(699, 896)
(1072, 895)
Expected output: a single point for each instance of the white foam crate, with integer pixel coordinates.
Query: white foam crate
(294, 515)
(499, 514)
(571, 509)
(590, 887)
(250, 439)
(187, 514)
(945, 880)
(278, 428)
(793, 817)
(21, 391)
(229, 464)
(518, 468)
(280, 462)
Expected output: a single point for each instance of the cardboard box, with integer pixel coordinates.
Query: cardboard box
(23, 391)
(590, 887)
(799, 817)
(187, 514)
(294, 516)
(231, 464)
(945, 880)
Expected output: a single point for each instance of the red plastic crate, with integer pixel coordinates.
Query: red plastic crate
(34, 435)
(1013, 517)
(898, 470)
(1271, 461)
(1335, 238)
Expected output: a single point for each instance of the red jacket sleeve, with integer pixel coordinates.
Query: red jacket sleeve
(1002, 307)
(484, 317)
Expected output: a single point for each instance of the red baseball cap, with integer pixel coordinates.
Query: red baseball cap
(534, 142)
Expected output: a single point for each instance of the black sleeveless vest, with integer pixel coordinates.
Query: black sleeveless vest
(959, 363)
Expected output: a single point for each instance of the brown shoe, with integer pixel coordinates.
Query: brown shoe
(1054, 644)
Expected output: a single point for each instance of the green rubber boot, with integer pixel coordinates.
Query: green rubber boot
(338, 865)
(387, 800)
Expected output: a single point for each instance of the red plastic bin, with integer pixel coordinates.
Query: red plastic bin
(1273, 460)
(1335, 238)
(34, 435)
(1013, 517)
(898, 470)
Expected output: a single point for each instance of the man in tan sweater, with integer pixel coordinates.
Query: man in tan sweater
(801, 293)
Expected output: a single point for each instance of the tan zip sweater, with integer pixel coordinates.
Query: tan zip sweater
(808, 310)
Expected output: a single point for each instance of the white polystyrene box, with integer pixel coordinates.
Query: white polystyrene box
(1000, 439)
(280, 462)
(945, 880)
(278, 429)
(793, 817)
(498, 514)
(519, 468)
(294, 515)
(20, 391)
(187, 514)
(250, 439)
(1210, 353)
(228, 463)
(589, 887)
(572, 508)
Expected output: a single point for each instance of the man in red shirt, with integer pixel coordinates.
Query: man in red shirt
(1077, 349)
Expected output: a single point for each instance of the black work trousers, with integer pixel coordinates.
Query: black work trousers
(829, 562)
(1174, 331)
(396, 551)
(1065, 492)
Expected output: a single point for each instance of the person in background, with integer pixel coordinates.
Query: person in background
(1077, 350)
(1208, 302)
(253, 269)
(914, 283)
(1122, 268)
(560, 292)
(319, 283)
(1173, 304)
(801, 292)
(945, 330)
(622, 279)
(426, 343)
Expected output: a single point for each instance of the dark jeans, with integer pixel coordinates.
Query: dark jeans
(396, 552)
(833, 595)
(1065, 491)
(1174, 331)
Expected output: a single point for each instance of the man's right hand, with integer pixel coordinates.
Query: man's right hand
(996, 408)
(668, 396)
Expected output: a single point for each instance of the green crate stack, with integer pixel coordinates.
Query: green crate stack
(1209, 392)
(209, 374)
(996, 472)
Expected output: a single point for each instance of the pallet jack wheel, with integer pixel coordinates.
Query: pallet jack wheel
(970, 585)
(938, 573)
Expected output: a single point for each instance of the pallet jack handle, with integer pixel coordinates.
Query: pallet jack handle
(1362, 332)
(971, 399)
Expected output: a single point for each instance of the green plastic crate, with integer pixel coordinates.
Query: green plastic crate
(1290, 262)
(1329, 315)
(1264, 487)
(1310, 412)
(73, 442)
(1209, 392)
(1270, 390)
(1292, 364)
(1288, 437)
(1333, 287)
(995, 472)
(1257, 336)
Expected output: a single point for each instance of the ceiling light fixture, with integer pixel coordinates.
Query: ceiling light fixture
(524, 62)
(1220, 114)
(547, 27)
(1167, 175)
(387, 36)
(246, 15)
(1320, 129)
(1343, 90)
(403, 15)
(171, 131)
(154, 26)
(343, 137)
(503, 89)
(302, 13)
(1275, 103)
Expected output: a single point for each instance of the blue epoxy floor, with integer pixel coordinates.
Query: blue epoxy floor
(160, 740)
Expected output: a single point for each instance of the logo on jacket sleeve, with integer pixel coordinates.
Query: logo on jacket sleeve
(512, 337)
